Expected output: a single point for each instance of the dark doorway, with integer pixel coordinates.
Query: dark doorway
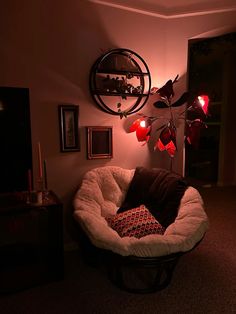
(211, 71)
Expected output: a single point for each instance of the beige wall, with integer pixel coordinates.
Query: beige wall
(50, 46)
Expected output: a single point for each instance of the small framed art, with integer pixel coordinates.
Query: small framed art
(99, 142)
(69, 127)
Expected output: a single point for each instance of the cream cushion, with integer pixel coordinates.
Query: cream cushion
(102, 192)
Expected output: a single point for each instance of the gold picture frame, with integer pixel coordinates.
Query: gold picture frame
(99, 142)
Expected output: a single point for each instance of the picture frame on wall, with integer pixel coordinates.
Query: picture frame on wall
(99, 142)
(69, 127)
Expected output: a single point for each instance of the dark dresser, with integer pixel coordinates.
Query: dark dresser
(31, 241)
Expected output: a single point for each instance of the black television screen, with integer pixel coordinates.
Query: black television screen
(15, 139)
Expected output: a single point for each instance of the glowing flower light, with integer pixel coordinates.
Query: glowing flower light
(142, 129)
(204, 102)
(143, 124)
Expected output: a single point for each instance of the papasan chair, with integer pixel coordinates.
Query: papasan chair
(138, 223)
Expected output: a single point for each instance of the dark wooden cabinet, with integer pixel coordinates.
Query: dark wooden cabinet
(31, 241)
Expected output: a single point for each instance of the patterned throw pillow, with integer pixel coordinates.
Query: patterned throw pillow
(136, 222)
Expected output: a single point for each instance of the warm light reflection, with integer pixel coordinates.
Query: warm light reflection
(143, 124)
(203, 101)
(142, 130)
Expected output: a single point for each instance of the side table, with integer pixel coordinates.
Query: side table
(31, 241)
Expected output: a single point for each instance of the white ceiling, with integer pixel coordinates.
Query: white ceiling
(171, 8)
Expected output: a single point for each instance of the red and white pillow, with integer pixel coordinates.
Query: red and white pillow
(136, 222)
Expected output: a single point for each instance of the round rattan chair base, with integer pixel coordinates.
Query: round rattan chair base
(132, 273)
(141, 274)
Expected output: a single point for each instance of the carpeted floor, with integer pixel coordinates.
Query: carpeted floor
(204, 280)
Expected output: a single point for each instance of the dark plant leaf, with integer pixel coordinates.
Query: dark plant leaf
(168, 134)
(166, 90)
(160, 104)
(176, 79)
(183, 99)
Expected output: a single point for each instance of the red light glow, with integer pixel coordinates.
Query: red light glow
(204, 101)
(143, 124)
(142, 130)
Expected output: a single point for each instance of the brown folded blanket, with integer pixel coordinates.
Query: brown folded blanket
(159, 190)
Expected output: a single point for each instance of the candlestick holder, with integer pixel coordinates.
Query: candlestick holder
(39, 192)
(40, 184)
